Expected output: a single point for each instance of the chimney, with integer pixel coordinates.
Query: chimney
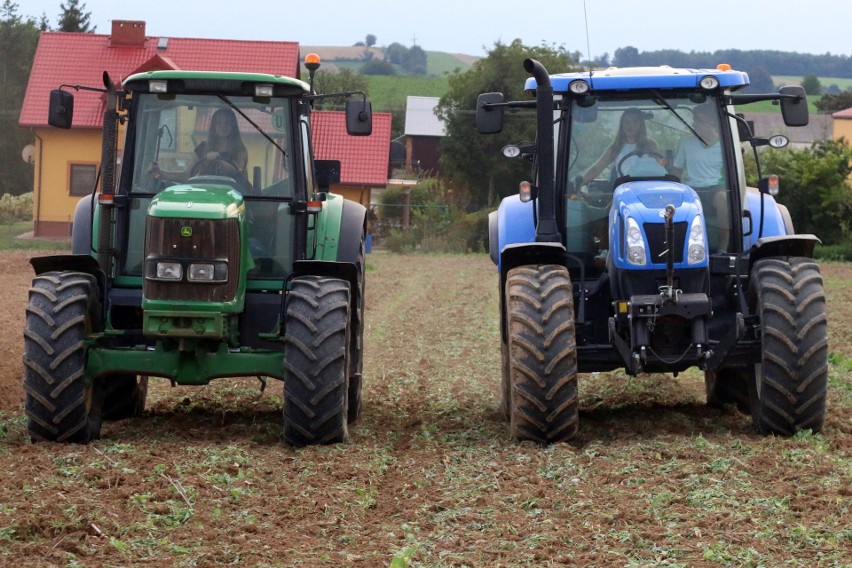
(128, 33)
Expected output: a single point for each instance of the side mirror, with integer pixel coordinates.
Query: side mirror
(359, 117)
(61, 110)
(747, 224)
(794, 110)
(489, 119)
(327, 173)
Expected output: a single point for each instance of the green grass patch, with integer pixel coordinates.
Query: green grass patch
(841, 82)
(10, 238)
(388, 92)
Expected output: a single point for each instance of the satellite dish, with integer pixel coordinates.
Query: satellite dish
(28, 154)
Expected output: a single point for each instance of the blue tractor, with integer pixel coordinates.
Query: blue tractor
(649, 252)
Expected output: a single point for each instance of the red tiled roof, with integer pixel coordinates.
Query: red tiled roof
(363, 159)
(845, 113)
(80, 59)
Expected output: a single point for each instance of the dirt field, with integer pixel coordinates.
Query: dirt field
(431, 477)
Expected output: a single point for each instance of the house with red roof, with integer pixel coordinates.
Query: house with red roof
(67, 161)
(843, 124)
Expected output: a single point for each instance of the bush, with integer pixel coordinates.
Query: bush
(436, 221)
(15, 208)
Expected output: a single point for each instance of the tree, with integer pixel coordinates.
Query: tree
(815, 187)
(18, 40)
(834, 103)
(378, 67)
(473, 160)
(340, 81)
(811, 85)
(74, 19)
(627, 57)
(414, 60)
(370, 40)
(760, 81)
(395, 52)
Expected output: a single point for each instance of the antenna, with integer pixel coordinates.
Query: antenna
(588, 44)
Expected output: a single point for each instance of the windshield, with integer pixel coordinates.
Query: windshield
(675, 138)
(204, 140)
(186, 136)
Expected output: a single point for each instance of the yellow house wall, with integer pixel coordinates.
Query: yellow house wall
(356, 194)
(56, 151)
(843, 129)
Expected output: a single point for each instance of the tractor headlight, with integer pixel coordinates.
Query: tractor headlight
(201, 271)
(207, 272)
(169, 270)
(697, 247)
(636, 253)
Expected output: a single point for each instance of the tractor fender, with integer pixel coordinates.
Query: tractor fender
(353, 223)
(520, 254)
(785, 245)
(81, 230)
(515, 224)
(493, 238)
(776, 218)
(339, 229)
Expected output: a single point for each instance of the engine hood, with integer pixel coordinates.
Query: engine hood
(197, 202)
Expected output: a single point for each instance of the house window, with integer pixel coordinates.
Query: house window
(82, 178)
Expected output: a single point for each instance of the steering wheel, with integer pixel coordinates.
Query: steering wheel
(596, 194)
(216, 167)
(637, 153)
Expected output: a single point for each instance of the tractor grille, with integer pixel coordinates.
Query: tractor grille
(656, 233)
(185, 241)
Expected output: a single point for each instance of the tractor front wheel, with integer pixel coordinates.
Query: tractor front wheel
(63, 310)
(124, 396)
(316, 361)
(542, 354)
(788, 391)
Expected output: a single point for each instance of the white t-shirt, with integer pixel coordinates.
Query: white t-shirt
(703, 164)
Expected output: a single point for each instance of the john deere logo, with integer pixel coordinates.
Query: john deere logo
(186, 231)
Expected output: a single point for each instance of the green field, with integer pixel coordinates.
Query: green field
(826, 82)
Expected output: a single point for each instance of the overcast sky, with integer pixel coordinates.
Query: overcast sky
(473, 26)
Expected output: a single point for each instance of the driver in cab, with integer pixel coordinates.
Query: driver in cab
(631, 139)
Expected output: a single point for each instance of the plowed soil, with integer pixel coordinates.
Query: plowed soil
(431, 476)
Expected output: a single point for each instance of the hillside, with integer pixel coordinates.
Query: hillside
(438, 63)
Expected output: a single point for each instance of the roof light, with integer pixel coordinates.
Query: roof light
(263, 90)
(158, 86)
(579, 87)
(723, 67)
(312, 61)
(709, 82)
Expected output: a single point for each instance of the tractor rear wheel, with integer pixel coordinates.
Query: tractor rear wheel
(124, 396)
(542, 354)
(505, 381)
(790, 383)
(63, 310)
(316, 361)
(356, 348)
(729, 385)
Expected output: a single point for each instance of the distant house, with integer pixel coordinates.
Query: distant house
(423, 133)
(843, 124)
(363, 159)
(67, 161)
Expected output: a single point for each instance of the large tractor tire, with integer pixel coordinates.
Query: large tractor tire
(124, 396)
(790, 383)
(542, 353)
(505, 381)
(63, 311)
(356, 340)
(729, 385)
(316, 361)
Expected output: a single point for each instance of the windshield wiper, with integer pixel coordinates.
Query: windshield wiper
(250, 121)
(664, 103)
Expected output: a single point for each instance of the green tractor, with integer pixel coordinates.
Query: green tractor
(213, 249)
